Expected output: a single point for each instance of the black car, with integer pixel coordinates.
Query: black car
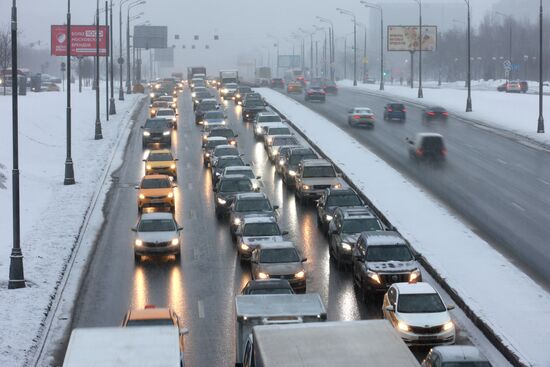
(330, 87)
(208, 104)
(277, 83)
(434, 113)
(255, 204)
(333, 199)
(222, 162)
(315, 92)
(251, 107)
(267, 286)
(427, 147)
(226, 189)
(157, 131)
(199, 96)
(240, 93)
(290, 162)
(395, 111)
(225, 132)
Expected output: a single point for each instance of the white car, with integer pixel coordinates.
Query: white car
(275, 129)
(264, 119)
(419, 315)
(157, 234)
(168, 113)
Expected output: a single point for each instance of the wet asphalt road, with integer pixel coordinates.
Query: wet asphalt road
(500, 186)
(202, 285)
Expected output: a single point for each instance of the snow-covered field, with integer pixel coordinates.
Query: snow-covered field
(51, 214)
(516, 113)
(515, 307)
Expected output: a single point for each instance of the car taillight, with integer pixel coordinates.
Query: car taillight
(390, 110)
(356, 117)
(443, 151)
(445, 113)
(404, 110)
(430, 113)
(420, 152)
(148, 307)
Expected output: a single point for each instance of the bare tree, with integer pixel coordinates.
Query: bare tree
(5, 54)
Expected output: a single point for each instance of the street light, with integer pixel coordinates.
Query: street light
(132, 61)
(469, 74)
(347, 12)
(324, 30)
(540, 127)
(276, 40)
(98, 134)
(420, 94)
(299, 37)
(509, 40)
(112, 106)
(331, 44)
(379, 8)
(364, 26)
(17, 278)
(310, 34)
(69, 168)
(130, 6)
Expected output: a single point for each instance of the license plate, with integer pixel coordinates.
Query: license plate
(425, 337)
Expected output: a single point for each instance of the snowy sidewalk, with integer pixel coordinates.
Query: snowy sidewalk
(51, 213)
(516, 113)
(508, 301)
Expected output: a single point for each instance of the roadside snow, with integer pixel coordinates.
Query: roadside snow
(517, 113)
(51, 213)
(515, 307)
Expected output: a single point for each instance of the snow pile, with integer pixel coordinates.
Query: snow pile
(51, 213)
(517, 113)
(512, 304)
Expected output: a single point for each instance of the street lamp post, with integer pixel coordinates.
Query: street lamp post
(98, 134)
(420, 93)
(509, 41)
(128, 66)
(469, 76)
(379, 8)
(107, 61)
(540, 127)
(331, 44)
(347, 12)
(112, 106)
(69, 168)
(277, 65)
(120, 58)
(17, 278)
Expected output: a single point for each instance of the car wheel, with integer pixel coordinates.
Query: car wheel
(172, 209)
(175, 177)
(219, 215)
(137, 258)
(205, 164)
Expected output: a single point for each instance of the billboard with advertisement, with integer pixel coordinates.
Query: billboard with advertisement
(83, 40)
(406, 38)
(164, 57)
(289, 61)
(148, 36)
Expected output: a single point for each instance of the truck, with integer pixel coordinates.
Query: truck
(194, 70)
(229, 76)
(137, 346)
(269, 309)
(262, 76)
(372, 343)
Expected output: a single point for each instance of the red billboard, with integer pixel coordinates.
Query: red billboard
(83, 40)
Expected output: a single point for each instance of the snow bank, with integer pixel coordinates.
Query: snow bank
(51, 213)
(515, 307)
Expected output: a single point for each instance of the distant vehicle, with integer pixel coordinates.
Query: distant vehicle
(245, 171)
(361, 116)
(274, 129)
(207, 104)
(262, 75)
(255, 230)
(418, 314)
(161, 162)
(240, 93)
(157, 131)
(277, 83)
(396, 111)
(251, 107)
(330, 87)
(427, 146)
(455, 356)
(249, 204)
(228, 91)
(221, 151)
(313, 176)
(51, 87)
(267, 286)
(208, 147)
(514, 87)
(194, 70)
(434, 113)
(315, 92)
(294, 87)
(330, 200)
(156, 191)
(261, 118)
(199, 96)
(226, 189)
(229, 76)
(212, 119)
(157, 234)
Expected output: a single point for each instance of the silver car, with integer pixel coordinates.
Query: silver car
(253, 231)
(361, 116)
(157, 234)
(313, 176)
(456, 356)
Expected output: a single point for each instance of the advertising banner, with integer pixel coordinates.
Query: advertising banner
(83, 40)
(148, 36)
(406, 38)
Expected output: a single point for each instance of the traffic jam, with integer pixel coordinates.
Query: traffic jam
(279, 318)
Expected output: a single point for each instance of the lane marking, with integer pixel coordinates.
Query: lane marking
(201, 309)
(518, 206)
(501, 161)
(544, 181)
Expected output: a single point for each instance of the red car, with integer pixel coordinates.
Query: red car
(277, 83)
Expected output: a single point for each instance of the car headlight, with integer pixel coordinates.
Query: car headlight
(237, 221)
(172, 166)
(207, 155)
(305, 187)
(269, 140)
(346, 246)
(258, 130)
(174, 119)
(232, 142)
(153, 110)
(218, 174)
(222, 201)
(224, 122)
(238, 95)
(262, 275)
(281, 162)
(300, 274)
(152, 95)
(175, 241)
(337, 186)
(193, 94)
(415, 274)
(255, 186)
(224, 91)
(448, 326)
(146, 133)
(374, 276)
(328, 217)
(141, 196)
(170, 195)
(402, 326)
(292, 173)
(149, 167)
(244, 247)
(139, 243)
(166, 133)
(205, 123)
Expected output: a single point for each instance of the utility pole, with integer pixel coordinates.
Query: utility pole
(120, 58)
(106, 61)
(540, 127)
(69, 168)
(347, 12)
(420, 93)
(128, 77)
(469, 80)
(98, 134)
(112, 106)
(331, 44)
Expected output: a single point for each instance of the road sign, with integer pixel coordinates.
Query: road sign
(507, 65)
(63, 66)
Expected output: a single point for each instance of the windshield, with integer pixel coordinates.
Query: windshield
(296, 158)
(245, 172)
(156, 225)
(284, 141)
(279, 255)
(157, 157)
(245, 90)
(157, 124)
(361, 225)
(279, 131)
(344, 200)
(210, 105)
(214, 143)
(319, 171)
(389, 253)
(364, 111)
(150, 322)
(226, 133)
(230, 162)
(466, 364)
(161, 105)
(235, 186)
(254, 103)
(155, 183)
(261, 229)
(203, 95)
(252, 205)
(420, 303)
(271, 291)
(226, 151)
(214, 115)
(231, 86)
(269, 118)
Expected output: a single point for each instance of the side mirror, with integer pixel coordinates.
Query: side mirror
(136, 187)
(284, 233)
(176, 159)
(180, 228)
(450, 307)
(236, 135)
(275, 207)
(390, 308)
(304, 259)
(134, 229)
(258, 177)
(184, 331)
